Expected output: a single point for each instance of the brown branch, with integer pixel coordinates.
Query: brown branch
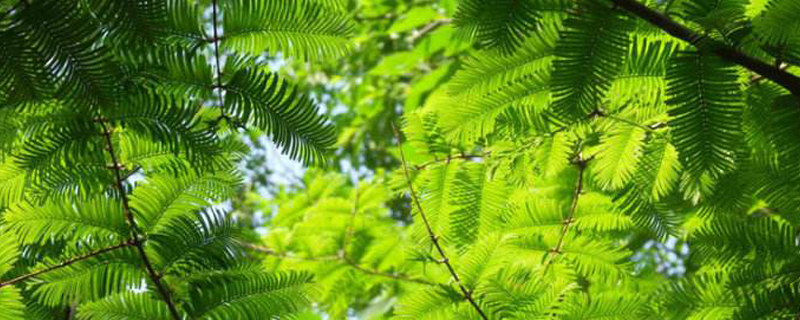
(67, 262)
(434, 238)
(428, 28)
(131, 173)
(722, 50)
(756, 78)
(117, 168)
(569, 220)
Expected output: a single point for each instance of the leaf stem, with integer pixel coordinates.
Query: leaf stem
(347, 261)
(428, 28)
(349, 232)
(434, 238)
(452, 157)
(569, 220)
(68, 262)
(216, 40)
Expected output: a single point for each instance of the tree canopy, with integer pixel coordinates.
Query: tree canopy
(465, 159)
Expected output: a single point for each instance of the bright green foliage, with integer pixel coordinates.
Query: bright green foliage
(120, 146)
(589, 54)
(305, 28)
(591, 159)
(572, 140)
(707, 112)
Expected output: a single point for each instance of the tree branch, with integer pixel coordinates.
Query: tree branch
(724, 51)
(756, 78)
(117, 168)
(435, 239)
(67, 262)
(131, 173)
(427, 29)
(569, 220)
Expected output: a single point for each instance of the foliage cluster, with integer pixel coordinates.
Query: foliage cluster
(121, 124)
(553, 152)
(544, 147)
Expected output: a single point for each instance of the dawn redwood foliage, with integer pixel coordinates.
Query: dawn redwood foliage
(120, 124)
(554, 143)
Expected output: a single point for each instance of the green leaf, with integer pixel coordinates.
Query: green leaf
(305, 29)
(590, 54)
(618, 156)
(705, 102)
(92, 220)
(124, 306)
(249, 294)
(291, 119)
(165, 197)
(415, 17)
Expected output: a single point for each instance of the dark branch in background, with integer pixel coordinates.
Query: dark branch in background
(349, 262)
(756, 78)
(134, 230)
(427, 29)
(68, 262)
(569, 220)
(435, 239)
(724, 51)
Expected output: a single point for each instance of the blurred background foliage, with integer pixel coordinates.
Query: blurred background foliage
(403, 52)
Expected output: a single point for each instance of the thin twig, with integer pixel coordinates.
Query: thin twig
(569, 220)
(13, 9)
(367, 18)
(428, 28)
(131, 173)
(452, 157)
(274, 253)
(67, 262)
(349, 232)
(349, 262)
(394, 276)
(722, 50)
(651, 128)
(134, 230)
(434, 238)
